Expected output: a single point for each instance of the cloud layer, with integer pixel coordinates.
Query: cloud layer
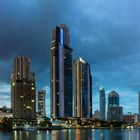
(105, 33)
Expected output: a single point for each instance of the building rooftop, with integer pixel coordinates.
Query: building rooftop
(113, 93)
(81, 60)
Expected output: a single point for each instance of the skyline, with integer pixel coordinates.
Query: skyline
(111, 29)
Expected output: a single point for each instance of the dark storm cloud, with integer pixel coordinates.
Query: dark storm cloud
(105, 33)
(107, 30)
(26, 30)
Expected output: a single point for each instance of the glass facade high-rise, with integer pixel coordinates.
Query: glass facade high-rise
(113, 98)
(82, 89)
(115, 111)
(102, 103)
(42, 103)
(23, 90)
(61, 73)
(139, 103)
(139, 106)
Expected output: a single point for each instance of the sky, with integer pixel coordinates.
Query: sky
(105, 33)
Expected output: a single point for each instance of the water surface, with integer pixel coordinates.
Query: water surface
(72, 134)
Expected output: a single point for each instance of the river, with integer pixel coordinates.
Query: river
(73, 134)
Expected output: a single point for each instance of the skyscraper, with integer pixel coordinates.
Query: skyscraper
(42, 102)
(102, 104)
(115, 111)
(139, 102)
(96, 115)
(61, 73)
(82, 89)
(23, 90)
(139, 105)
(113, 98)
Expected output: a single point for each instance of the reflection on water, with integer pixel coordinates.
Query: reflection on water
(77, 134)
(72, 134)
(116, 135)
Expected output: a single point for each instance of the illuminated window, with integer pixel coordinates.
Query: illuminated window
(33, 101)
(14, 84)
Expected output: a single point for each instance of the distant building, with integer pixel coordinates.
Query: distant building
(113, 98)
(61, 73)
(23, 90)
(129, 118)
(42, 103)
(102, 104)
(136, 118)
(115, 112)
(5, 109)
(139, 103)
(82, 89)
(96, 114)
(139, 106)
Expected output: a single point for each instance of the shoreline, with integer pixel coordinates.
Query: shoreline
(59, 128)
